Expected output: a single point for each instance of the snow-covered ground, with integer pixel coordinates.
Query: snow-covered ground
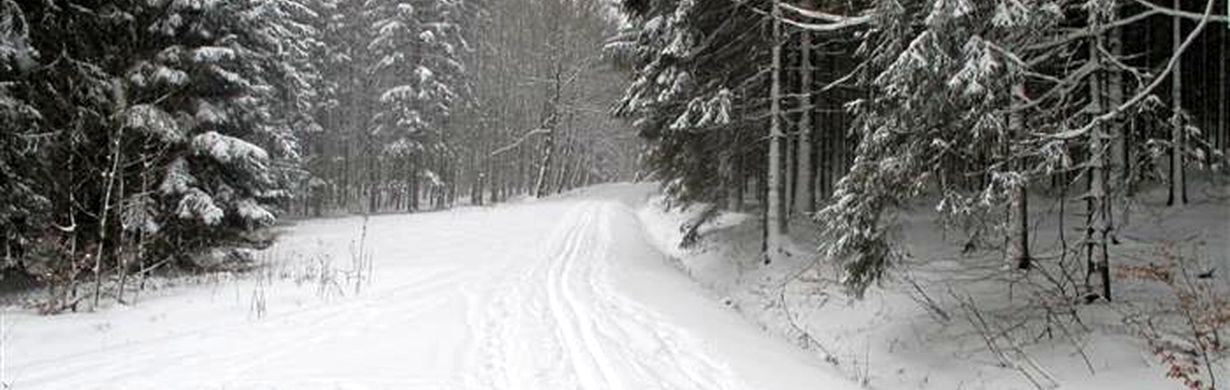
(915, 330)
(569, 293)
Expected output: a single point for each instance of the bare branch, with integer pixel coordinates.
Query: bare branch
(519, 141)
(1145, 93)
(1183, 14)
(827, 17)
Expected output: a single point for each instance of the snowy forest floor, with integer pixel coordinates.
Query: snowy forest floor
(563, 293)
(948, 320)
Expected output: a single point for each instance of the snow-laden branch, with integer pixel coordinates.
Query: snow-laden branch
(832, 19)
(829, 22)
(834, 26)
(1145, 93)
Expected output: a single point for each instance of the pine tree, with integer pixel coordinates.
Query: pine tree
(417, 70)
(938, 113)
(224, 80)
(177, 126)
(21, 205)
(694, 72)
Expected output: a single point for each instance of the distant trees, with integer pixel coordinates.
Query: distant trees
(980, 103)
(543, 92)
(460, 101)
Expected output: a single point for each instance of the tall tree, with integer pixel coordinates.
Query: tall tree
(776, 220)
(1177, 194)
(805, 198)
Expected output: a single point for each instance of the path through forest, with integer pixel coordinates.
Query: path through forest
(562, 294)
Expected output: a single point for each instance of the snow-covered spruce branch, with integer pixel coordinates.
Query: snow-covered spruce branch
(1148, 91)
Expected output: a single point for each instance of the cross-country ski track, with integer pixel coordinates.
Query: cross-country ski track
(566, 293)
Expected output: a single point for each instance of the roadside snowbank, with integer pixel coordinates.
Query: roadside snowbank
(922, 328)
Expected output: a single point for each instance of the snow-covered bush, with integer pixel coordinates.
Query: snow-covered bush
(1188, 336)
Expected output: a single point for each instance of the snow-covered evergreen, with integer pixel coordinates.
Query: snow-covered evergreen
(21, 204)
(416, 49)
(692, 71)
(176, 126)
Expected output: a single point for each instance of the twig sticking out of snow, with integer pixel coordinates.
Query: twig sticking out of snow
(1010, 353)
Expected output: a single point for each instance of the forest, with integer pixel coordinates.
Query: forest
(978, 104)
(159, 138)
(140, 133)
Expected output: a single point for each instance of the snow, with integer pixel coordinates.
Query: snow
(567, 293)
(138, 214)
(895, 339)
(196, 204)
(231, 78)
(178, 178)
(226, 149)
(14, 39)
(194, 5)
(250, 210)
(209, 114)
(212, 54)
(153, 121)
(423, 73)
(403, 93)
(169, 76)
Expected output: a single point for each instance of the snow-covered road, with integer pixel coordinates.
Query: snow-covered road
(562, 294)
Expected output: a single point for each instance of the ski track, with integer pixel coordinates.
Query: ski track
(526, 305)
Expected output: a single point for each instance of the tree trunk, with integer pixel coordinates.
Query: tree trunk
(373, 185)
(548, 157)
(1117, 175)
(1223, 94)
(774, 210)
(1099, 225)
(565, 168)
(805, 196)
(104, 214)
(788, 167)
(1178, 191)
(413, 177)
(1020, 214)
(740, 183)
(551, 122)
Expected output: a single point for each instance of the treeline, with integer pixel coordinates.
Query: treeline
(138, 134)
(850, 111)
(513, 106)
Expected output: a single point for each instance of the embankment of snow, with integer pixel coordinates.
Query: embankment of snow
(921, 328)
